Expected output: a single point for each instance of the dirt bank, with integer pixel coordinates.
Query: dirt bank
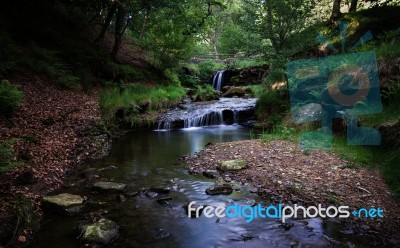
(55, 131)
(283, 174)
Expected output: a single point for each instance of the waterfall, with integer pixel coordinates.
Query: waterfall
(208, 119)
(217, 81)
(226, 111)
(164, 125)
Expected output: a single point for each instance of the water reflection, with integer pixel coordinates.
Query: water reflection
(146, 159)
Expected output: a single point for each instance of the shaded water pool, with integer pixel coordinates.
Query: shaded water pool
(147, 159)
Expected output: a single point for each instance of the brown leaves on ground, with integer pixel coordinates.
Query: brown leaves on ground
(281, 171)
(50, 127)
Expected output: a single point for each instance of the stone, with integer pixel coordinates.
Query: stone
(235, 91)
(160, 190)
(26, 177)
(237, 164)
(287, 226)
(390, 132)
(164, 200)
(101, 232)
(64, 203)
(161, 234)
(308, 113)
(89, 173)
(219, 190)
(211, 174)
(121, 198)
(109, 187)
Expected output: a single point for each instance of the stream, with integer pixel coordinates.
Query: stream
(148, 158)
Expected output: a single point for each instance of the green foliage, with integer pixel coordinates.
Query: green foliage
(172, 77)
(135, 97)
(256, 89)
(243, 63)
(204, 93)
(7, 156)
(271, 107)
(69, 81)
(10, 97)
(207, 68)
(279, 132)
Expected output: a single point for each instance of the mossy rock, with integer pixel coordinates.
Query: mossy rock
(109, 187)
(64, 203)
(102, 232)
(233, 165)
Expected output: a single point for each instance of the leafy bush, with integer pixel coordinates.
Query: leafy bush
(204, 93)
(69, 81)
(135, 97)
(271, 107)
(207, 68)
(10, 97)
(7, 161)
(172, 77)
(279, 132)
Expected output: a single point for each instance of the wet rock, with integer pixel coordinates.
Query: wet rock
(233, 165)
(390, 132)
(64, 203)
(89, 173)
(111, 167)
(160, 190)
(121, 198)
(308, 113)
(235, 91)
(287, 226)
(101, 232)
(26, 177)
(161, 234)
(109, 187)
(211, 174)
(347, 232)
(164, 200)
(151, 194)
(219, 190)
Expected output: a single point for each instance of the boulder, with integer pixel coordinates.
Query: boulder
(219, 190)
(101, 232)
(109, 187)
(390, 132)
(235, 91)
(237, 164)
(211, 174)
(308, 113)
(160, 190)
(90, 173)
(64, 203)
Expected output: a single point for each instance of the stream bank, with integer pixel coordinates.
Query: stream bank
(281, 173)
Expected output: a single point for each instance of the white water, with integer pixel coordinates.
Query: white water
(217, 81)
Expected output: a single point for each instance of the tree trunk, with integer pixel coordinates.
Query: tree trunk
(353, 6)
(144, 26)
(270, 26)
(335, 11)
(107, 21)
(120, 22)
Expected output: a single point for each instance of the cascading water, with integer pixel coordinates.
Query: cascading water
(217, 81)
(208, 119)
(225, 111)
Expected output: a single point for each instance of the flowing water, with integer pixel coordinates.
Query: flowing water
(148, 158)
(218, 80)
